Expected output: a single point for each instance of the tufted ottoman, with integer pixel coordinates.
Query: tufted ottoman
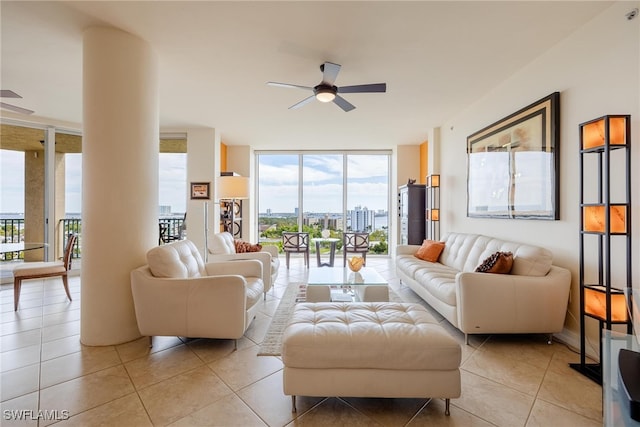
(369, 349)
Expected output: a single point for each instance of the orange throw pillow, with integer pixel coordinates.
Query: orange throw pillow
(430, 250)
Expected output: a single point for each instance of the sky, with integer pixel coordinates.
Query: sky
(367, 182)
(172, 182)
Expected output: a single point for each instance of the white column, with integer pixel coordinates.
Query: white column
(120, 179)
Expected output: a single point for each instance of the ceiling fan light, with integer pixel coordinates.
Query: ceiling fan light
(325, 95)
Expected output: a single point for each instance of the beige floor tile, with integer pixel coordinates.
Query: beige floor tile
(20, 340)
(229, 411)
(505, 367)
(18, 382)
(74, 365)
(162, 365)
(21, 411)
(20, 357)
(21, 325)
(267, 399)
(243, 367)
(388, 412)
(61, 347)
(433, 415)
(8, 315)
(87, 392)
(493, 402)
(547, 414)
(334, 412)
(125, 411)
(140, 347)
(60, 307)
(179, 396)
(63, 330)
(569, 389)
(258, 328)
(63, 317)
(210, 350)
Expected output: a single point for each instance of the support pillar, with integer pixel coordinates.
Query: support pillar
(120, 179)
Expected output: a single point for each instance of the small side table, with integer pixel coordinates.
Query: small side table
(332, 251)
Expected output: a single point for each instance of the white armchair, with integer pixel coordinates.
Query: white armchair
(222, 248)
(177, 294)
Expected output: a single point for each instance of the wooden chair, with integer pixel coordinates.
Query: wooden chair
(357, 243)
(296, 242)
(41, 270)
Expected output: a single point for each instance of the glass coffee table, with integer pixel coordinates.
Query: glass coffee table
(344, 285)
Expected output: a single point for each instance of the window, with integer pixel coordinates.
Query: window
(318, 191)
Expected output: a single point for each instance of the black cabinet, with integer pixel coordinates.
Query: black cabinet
(411, 205)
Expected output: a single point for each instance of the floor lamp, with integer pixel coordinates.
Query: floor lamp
(232, 187)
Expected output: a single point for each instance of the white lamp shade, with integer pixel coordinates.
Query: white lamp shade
(232, 187)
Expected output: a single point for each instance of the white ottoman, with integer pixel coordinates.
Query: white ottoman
(384, 349)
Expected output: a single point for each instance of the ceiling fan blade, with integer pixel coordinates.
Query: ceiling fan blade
(287, 85)
(303, 102)
(343, 103)
(4, 93)
(374, 87)
(15, 108)
(329, 73)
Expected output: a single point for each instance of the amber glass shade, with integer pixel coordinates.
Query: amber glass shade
(593, 133)
(595, 304)
(594, 220)
(435, 215)
(433, 180)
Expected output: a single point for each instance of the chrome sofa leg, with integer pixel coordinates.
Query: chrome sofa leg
(447, 412)
(466, 339)
(293, 404)
(235, 345)
(550, 339)
(150, 341)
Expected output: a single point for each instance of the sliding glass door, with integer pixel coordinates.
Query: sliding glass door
(324, 193)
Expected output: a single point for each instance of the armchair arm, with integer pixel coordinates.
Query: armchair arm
(506, 303)
(271, 249)
(246, 268)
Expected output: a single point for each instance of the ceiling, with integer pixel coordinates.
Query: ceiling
(214, 59)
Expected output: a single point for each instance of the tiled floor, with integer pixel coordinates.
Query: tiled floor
(506, 380)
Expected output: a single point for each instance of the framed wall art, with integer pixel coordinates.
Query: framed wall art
(513, 164)
(200, 191)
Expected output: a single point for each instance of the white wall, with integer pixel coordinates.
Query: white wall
(596, 72)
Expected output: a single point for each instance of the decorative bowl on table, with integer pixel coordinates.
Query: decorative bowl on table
(356, 263)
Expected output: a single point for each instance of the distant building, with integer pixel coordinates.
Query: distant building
(361, 219)
(165, 210)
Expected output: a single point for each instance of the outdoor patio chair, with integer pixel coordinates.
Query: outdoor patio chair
(296, 242)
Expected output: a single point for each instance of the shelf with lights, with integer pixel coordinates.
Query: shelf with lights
(605, 230)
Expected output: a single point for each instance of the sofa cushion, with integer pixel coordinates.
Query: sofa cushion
(430, 250)
(441, 280)
(499, 263)
(178, 260)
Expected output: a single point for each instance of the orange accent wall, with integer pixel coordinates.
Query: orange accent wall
(223, 157)
(424, 162)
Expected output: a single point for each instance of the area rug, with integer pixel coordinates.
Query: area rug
(295, 293)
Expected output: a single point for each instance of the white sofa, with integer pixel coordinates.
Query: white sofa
(222, 248)
(176, 294)
(533, 298)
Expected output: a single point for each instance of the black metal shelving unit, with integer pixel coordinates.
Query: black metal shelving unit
(604, 217)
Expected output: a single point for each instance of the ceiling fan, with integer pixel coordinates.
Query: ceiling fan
(326, 91)
(10, 107)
